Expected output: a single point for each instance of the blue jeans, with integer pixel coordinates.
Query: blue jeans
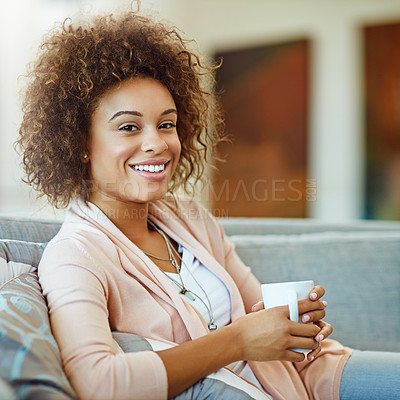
(371, 375)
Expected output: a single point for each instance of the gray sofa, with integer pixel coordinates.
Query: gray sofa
(358, 263)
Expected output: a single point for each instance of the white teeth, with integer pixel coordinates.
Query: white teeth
(149, 168)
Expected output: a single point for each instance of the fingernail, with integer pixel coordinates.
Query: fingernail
(313, 296)
(320, 338)
(324, 303)
(305, 318)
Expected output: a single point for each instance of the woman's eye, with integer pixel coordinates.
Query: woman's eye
(130, 128)
(167, 125)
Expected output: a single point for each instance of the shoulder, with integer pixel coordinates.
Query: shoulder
(85, 226)
(77, 232)
(81, 245)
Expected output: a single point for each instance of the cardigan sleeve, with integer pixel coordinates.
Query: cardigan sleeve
(77, 299)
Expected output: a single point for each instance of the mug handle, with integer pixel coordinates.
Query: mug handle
(293, 305)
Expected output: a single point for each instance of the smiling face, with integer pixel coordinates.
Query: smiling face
(133, 145)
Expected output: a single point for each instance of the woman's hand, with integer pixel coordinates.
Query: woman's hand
(270, 335)
(312, 310)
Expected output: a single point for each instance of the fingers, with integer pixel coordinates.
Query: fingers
(258, 306)
(313, 316)
(308, 305)
(305, 330)
(293, 356)
(298, 342)
(325, 330)
(316, 293)
(312, 354)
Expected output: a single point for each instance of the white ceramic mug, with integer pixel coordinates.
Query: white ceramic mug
(287, 293)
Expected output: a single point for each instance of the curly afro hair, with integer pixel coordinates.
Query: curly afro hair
(77, 64)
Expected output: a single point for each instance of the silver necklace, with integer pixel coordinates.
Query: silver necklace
(183, 290)
(171, 257)
(211, 325)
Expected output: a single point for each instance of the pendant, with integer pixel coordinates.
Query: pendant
(188, 294)
(212, 327)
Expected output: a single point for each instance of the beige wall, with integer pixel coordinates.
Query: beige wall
(336, 136)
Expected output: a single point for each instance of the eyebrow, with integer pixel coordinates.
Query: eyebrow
(138, 114)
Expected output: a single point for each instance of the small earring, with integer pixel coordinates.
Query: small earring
(85, 156)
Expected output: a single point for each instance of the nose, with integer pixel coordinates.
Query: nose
(153, 142)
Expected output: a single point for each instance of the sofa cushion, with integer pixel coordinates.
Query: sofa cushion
(28, 228)
(30, 360)
(17, 257)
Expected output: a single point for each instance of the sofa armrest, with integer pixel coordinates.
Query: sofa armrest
(293, 226)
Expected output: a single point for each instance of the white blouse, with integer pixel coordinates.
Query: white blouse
(212, 299)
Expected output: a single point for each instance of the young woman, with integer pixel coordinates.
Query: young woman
(116, 117)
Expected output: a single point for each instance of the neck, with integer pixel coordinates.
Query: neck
(129, 217)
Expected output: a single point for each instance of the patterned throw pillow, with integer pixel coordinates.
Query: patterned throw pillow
(30, 360)
(6, 391)
(17, 257)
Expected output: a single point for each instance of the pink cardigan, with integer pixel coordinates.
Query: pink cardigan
(95, 279)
